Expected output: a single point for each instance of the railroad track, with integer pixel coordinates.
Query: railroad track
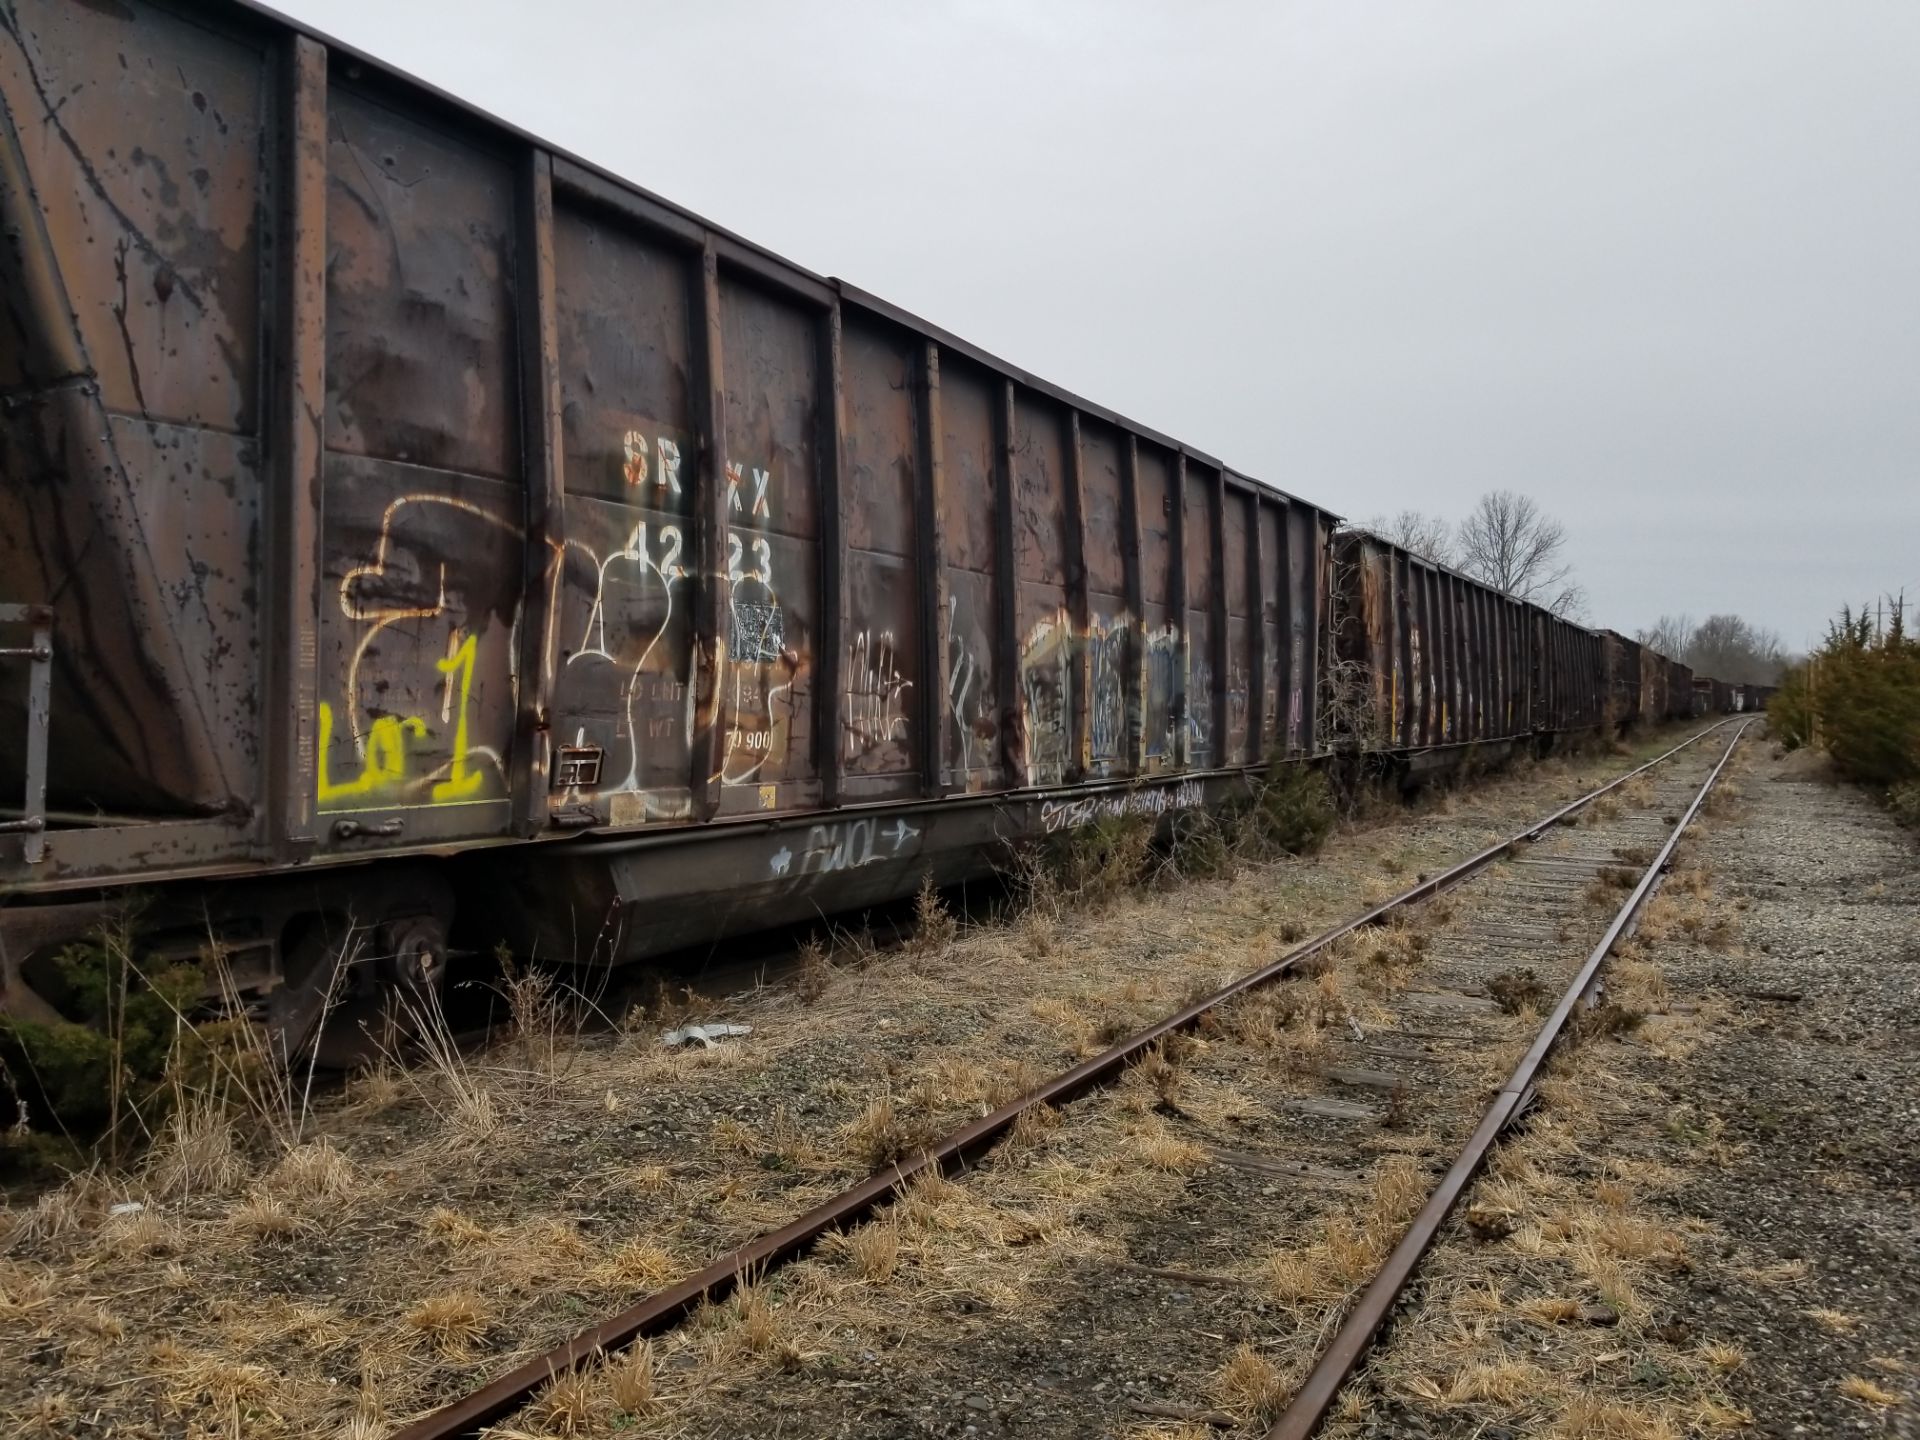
(1525, 924)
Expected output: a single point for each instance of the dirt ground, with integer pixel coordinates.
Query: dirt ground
(1714, 1223)
(336, 1271)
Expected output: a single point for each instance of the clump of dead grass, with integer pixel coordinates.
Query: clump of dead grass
(312, 1171)
(882, 1135)
(447, 1226)
(1517, 991)
(1160, 1149)
(453, 1322)
(1594, 1417)
(871, 1251)
(1251, 1385)
(631, 1381)
(934, 926)
(571, 1403)
(1867, 1392)
(636, 1265)
(265, 1218)
(198, 1152)
(141, 1234)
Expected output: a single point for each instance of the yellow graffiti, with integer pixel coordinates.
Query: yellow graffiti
(461, 781)
(386, 760)
(385, 764)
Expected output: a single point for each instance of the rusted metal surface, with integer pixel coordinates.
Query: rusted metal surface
(665, 1308)
(1448, 660)
(1311, 1402)
(139, 378)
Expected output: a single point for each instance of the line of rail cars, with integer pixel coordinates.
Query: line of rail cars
(406, 525)
(1719, 697)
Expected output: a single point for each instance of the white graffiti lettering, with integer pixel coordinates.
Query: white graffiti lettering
(1056, 815)
(844, 845)
(876, 694)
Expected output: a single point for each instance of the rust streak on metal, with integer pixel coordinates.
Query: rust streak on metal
(1302, 1418)
(663, 1309)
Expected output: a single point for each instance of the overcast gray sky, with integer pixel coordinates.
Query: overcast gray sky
(1654, 262)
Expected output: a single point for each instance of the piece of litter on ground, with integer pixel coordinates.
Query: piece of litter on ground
(127, 1207)
(704, 1034)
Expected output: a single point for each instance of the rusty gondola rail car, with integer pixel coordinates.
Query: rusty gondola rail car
(428, 525)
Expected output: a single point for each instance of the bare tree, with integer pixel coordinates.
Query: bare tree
(1512, 544)
(1670, 635)
(1426, 535)
(1728, 648)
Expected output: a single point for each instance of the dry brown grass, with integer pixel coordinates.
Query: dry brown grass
(882, 1135)
(454, 1322)
(1722, 1356)
(873, 1250)
(266, 1218)
(1350, 1246)
(145, 1234)
(198, 1152)
(1591, 1417)
(1252, 1385)
(569, 1404)
(1867, 1392)
(314, 1171)
(637, 1265)
(630, 1381)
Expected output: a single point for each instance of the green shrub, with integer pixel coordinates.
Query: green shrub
(1858, 699)
(1292, 809)
(1790, 710)
(1094, 862)
(109, 1060)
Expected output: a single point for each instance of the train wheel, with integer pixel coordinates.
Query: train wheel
(314, 970)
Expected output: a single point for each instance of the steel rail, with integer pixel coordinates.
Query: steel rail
(663, 1309)
(1311, 1402)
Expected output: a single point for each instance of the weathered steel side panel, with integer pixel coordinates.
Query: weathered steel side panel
(622, 703)
(969, 502)
(132, 189)
(1112, 632)
(146, 135)
(771, 607)
(1043, 619)
(424, 510)
(881, 677)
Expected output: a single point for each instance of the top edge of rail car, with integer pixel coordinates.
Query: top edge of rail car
(1346, 528)
(767, 265)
